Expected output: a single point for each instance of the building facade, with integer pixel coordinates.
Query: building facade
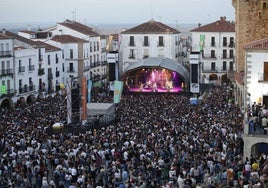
(149, 39)
(215, 42)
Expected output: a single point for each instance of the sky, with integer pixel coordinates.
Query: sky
(115, 11)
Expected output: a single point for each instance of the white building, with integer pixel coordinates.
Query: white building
(92, 54)
(215, 42)
(36, 66)
(149, 39)
(256, 73)
(7, 65)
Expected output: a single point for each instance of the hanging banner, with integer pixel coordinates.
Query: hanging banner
(3, 89)
(202, 42)
(89, 87)
(118, 88)
(84, 99)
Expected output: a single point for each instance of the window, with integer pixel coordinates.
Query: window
(71, 67)
(231, 53)
(224, 65)
(224, 43)
(3, 65)
(212, 54)
(213, 66)
(231, 66)
(90, 47)
(131, 41)
(224, 53)
(94, 46)
(62, 67)
(71, 54)
(265, 71)
(56, 57)
(231, 45)
(146, 41)
(264, 5)
(161, 41)
(146, 53)
(48, 59)
(98, 46)
(212, 41)
(131, 54)
(40, 55)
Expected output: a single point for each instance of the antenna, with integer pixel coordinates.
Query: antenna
(151, 9)
(74, 15)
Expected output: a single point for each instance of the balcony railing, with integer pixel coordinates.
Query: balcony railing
(131, 56)
(25, 89)
(41, 72)
(5, 53)
(49, 76)
(6, 72)
(209, 56)
(31, 67)
(21, 69)
(70, 70)
(57, 74)
(9, 93)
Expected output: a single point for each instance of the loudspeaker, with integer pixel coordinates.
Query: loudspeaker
(194, 73)
(111, 71)
(75, 100)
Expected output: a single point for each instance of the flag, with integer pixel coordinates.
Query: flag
(89, 86)
(202, 42)
(118, 87)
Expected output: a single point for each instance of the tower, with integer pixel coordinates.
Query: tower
(251, 24)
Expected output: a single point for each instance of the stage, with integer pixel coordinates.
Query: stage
(151, 89)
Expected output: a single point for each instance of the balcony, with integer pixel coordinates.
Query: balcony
(132, 56)
(227, 57)
(209, 56)
(21, 69)
(86, 68)
(41, 72)
(49, 76)
(26, 89)
(131, 44)
(57, 74)
(70, 70)
(6, 72)
(31, 68)
(9, 93)
(160, 44)
(224, 44)
(57, 60)
(5, 53)
(40, 58)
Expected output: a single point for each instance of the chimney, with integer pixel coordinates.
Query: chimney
(4, 31)
(199, 25)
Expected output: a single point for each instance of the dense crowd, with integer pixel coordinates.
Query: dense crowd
(157, 140)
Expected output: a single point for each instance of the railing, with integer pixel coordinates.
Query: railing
(227, 57)
(57, 73)
(41, 72)
(131, 44)
(131, 56)
(57, 60)
(21, 69)
(70, 70)
(49, 76)
(6, 72)
(9, 93)
(26, 89)
(31, 67)
(40, 58)
(5, 53)
(209, 56)
(160, 44)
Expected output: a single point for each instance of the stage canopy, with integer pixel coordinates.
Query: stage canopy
(152, 62)
(155, 74)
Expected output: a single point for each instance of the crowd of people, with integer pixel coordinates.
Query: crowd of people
(156, 140)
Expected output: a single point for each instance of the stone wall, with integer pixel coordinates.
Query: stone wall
(251, 23)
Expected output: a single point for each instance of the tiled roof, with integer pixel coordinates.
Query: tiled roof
(239, 77)
(22, 39)
(67, 39)
(257, 45)
(151, 27)
(28, 32)
(219, 26)
(34, 44)
(3, 36)
(79, 27)
(48, 47)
